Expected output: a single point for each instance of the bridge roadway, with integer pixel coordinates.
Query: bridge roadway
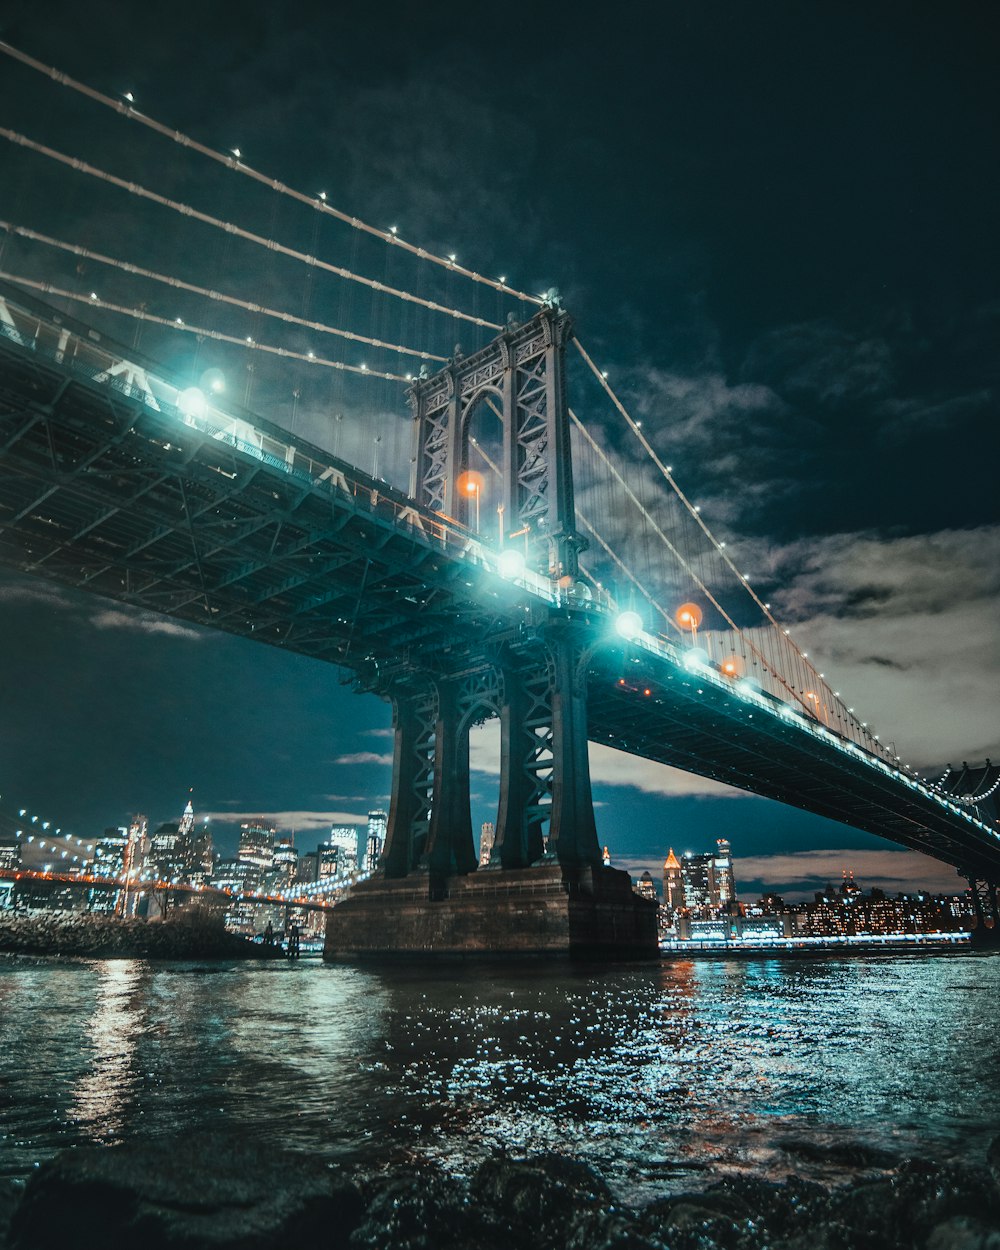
(116, 481)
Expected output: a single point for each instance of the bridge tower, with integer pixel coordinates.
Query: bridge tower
(545, 887)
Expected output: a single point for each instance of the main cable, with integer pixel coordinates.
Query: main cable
(140, 314)
(127, 267)
(234, 162)
(271, 245)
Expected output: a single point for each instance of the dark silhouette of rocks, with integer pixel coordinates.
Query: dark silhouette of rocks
(216, 1193)
(191, 933)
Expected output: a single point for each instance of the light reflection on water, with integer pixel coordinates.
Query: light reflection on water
(652, 1073)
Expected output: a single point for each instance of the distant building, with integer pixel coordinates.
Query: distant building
(673, 882)
(645, 886)
(724, 879)
(344, 839)
(327, 861)
(378, 824)
(487, 836)
(307, 869)
(700, 891)
(10, 854)
(286, 860)
(257, 844)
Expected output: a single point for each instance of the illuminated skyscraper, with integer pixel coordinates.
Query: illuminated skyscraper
(257, 843)
(673, 882)
(286, 859)
(487, 837)
(698, 875)
(725, 882)
(345, 839)
(378, 823)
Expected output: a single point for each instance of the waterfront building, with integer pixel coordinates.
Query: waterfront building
(378, 824)
(487, 836)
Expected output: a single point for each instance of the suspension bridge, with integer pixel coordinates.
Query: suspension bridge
(512, 546)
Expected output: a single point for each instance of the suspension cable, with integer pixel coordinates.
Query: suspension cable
(140, 314)
(126, 267)
(235, 163)
(270, 244)
(669, 478)
(684, 563)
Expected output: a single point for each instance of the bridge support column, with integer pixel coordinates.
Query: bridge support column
(414, 715)
(525, 767)
(986, 904)
(450, 848)
(573, 830)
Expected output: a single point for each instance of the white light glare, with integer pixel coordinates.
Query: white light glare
(629, 624)
(192, 402)
(511, 563)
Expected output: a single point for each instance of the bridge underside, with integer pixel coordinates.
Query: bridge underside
(275, 540)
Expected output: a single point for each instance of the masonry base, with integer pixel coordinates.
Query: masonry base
(542, 911)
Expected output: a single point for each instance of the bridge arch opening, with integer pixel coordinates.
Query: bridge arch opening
(481, 483)
(484, 790)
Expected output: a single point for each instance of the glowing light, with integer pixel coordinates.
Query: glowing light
(696, 658)
(511, 563)
(689, 616)
(629, 624)
(192, 402)
(322, 196)
(93, 295)
(236, 152)
(503, 280)
(732, 666)
(392, 229)
(130, 97)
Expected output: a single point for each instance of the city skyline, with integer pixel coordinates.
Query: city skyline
(816, 359)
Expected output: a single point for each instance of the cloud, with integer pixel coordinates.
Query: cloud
(364, 757)
(380, 733)
(144, 623)
(300, 821)
(807, 871)
(907, 629)
(800, 875)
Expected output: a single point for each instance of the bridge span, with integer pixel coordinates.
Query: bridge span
(116, 480)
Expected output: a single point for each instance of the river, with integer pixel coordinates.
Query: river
(655, 1074)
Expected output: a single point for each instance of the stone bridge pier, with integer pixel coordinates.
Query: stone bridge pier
(545, 890)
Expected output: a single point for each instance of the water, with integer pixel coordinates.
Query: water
(655, 1074)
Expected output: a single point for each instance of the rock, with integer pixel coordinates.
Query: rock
(539, 1198)
(993, 1159)
(595, 1230)
(10, 1195)
(964, 1232)
(190, 933)
(429, 1211)
(209, 1193)
(780, 1209)
(691, 1223)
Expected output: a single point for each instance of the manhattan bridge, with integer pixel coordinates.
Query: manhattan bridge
(225, 400)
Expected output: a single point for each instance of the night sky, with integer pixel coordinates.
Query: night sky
(774, 224)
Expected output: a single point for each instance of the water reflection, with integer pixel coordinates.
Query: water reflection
(650, 1073)
(103, 1096)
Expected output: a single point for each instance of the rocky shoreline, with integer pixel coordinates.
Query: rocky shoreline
(220, 1193)
(193, 933)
